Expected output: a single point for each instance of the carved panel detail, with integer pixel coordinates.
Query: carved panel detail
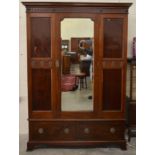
(113, 64)
(41, 63)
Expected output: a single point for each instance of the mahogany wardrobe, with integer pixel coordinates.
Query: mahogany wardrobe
(49, 125)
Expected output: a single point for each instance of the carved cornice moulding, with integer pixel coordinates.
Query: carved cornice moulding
(47, 7)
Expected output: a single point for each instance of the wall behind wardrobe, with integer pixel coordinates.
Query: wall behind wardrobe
(23, 110)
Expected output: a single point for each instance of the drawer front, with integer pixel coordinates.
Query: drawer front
(52, 131)
(101, 131)
(77, 131)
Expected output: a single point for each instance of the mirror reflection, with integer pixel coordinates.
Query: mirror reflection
(77, 64)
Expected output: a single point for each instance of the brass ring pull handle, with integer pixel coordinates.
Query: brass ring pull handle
(66, 131)
(40, 130)
(86, 130)
(112, 130)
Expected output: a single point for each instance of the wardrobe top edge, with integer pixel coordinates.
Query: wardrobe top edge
(75, 4)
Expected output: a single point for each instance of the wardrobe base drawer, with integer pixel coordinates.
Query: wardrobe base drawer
(103, 131)
(52, 131)
(77, 130)
(76, 133)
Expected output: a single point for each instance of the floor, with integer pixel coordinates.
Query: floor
(131, 150)
(78, 100)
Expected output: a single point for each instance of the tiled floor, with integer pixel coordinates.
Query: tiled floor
(78, 100)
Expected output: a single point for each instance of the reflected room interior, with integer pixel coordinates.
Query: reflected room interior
(77, 64)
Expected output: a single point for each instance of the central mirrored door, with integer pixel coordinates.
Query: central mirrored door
(77, 66)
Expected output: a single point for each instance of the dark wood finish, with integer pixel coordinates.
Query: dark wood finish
(100, 131)
(61, 133)
(112, 63)
(75, 44)
(66, 63)
(40, 37)
(48, 125)
(112, 89)
(60, 7)
(113, 31)
(41, 89)
(52, 131)
(42, 62)
(72, 131)
(75, 144)
(72, 4)
(75, 48)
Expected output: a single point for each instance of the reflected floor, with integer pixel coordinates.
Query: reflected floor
(78, 100)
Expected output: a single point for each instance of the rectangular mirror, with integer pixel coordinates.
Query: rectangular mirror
(77, 64)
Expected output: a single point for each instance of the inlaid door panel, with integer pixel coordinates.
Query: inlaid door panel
(114, 36)
(41, 68)
(112, 89)
(41, 89)
(41, 36)
(112, 82)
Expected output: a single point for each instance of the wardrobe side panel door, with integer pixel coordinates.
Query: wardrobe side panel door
(112, 65)
(40, 65)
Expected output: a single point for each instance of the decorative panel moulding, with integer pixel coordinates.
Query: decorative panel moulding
(113, 64)
(41, 63)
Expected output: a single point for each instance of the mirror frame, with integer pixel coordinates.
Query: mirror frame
(95, 19)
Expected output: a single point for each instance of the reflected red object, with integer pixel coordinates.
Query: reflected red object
(68, 83)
